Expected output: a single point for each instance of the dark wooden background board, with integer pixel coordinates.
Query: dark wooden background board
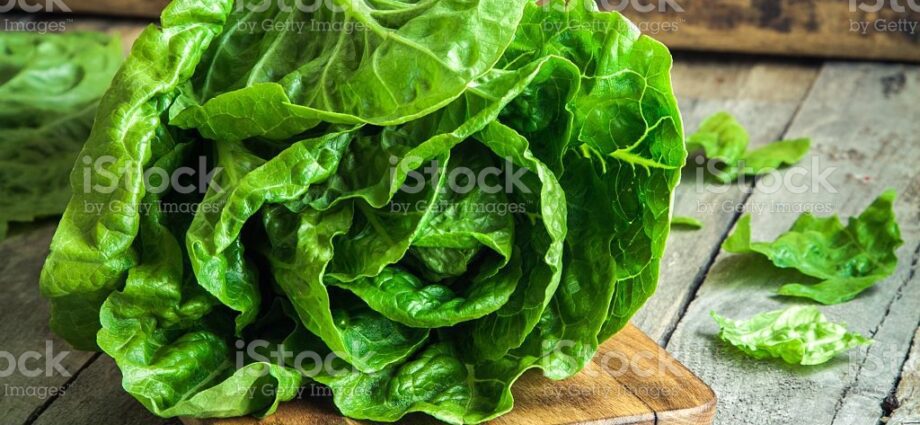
(631, 381)
(856, 29)
(863, 119)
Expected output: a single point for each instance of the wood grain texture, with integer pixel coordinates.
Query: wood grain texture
(631, 381)
(825, 28)
(861, 118)
(748, 90)
(906, 401)
(96, 397)
(24, 329)
(135, 8)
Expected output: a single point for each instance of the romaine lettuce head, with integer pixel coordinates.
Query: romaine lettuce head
(409, 202)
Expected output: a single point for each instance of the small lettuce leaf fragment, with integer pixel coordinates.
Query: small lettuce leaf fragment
(686, 222)
(848, 259)
(774, 155)
(722, 138)
(798, 335)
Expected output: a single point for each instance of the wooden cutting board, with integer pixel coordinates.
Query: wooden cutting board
(631, 381)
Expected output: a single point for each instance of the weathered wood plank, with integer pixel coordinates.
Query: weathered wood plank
(96, 397)
(24, 334)
(138, 8)
(864, 131)
(859, 29)
(747, 89)
(907, 397)
(829, 28)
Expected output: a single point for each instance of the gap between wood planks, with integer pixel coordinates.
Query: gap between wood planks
(44, 406)
(891, 403)
(862, 364)
(714, 253)
(863, 133)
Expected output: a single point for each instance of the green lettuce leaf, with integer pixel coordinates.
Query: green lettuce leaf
(49, 87)
(686, 222)
(847, 259)
(333, 77)
(723, 139)
(92, 251)
(798, 335)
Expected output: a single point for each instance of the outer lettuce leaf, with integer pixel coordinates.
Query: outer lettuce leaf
(333, 77)
(435, 382)
(722, 138)
(91, 253)
(627, 137)
(170, 341)
(797, 334)
(848, 260)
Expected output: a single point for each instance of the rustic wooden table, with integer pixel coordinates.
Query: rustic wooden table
(864, 121)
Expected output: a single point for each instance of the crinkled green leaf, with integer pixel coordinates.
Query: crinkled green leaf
(280, 83)
(301, 250)
(723, 139)
(847, 259)
(91, 252)
(169, 339)
(797, 334)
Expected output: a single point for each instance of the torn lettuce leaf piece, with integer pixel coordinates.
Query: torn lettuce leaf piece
(848, 259)
(686, 222)
(798, 335)
(722, 138)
